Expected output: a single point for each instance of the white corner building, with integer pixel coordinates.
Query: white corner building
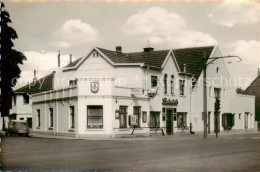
(111, 93)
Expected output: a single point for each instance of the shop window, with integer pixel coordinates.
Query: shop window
(137, 113)
(217, 92)
(154, 119)
(122, 116)
(154, 81)
(165, 83)
(38, 118)
(181, 119)
(26, 98)
(172, 84)
(50, 117)
(72, 117)
(95, 116)
(182, 87)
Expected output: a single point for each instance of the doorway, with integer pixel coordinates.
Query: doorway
(246, 120)
(169, 122)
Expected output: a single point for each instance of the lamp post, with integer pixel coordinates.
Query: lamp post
(205, 111)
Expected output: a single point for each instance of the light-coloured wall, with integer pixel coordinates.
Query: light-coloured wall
(230, 101)
(23, 110)
(112, 94)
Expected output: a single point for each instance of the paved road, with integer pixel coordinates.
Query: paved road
(240, 152)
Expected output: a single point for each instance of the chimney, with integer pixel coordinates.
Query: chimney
(70, 58)
(148, 49)
(59, 59)
(184, 68)
(118, 49)
(34, 78)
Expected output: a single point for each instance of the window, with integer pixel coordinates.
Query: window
(72, 117)
(21, 119)
(181, 119)
(122, 116)
(137, 113)
(239, 115)
(172, 84)
(26, 98)
(14, 100)
(38, 118)
(95, 116)
(217, 92)
(165, 83)
(163, 114)
(182, 87)
(153, 81)
(210, 92)
(154, 119)
(50, 117)
(174, 114)
(224, 92)
(72, 82)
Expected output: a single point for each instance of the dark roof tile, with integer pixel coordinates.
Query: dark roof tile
(41, 85)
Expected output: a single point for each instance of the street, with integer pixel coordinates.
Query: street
(234, 152)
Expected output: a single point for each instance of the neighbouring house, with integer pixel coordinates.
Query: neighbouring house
(21, 99)
(254, 89)
(110, 93)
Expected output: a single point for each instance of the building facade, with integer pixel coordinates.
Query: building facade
(110, 93)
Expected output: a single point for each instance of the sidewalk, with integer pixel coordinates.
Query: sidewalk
(177, 136)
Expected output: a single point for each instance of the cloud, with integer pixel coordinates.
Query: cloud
(160, 26)
(249, 51)
(232, 12)
(46, 62)
(76, 32)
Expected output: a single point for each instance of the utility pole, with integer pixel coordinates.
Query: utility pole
(205, 98)
(205, 111)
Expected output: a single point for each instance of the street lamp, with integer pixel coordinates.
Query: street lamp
(205, 111)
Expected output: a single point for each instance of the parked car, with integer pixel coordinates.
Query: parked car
(17, 127)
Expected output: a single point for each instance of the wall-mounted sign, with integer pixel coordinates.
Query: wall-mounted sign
(94, 87)
(144, 116)
(117, 114)
(172, 102)
(152, 93)
(136, 91)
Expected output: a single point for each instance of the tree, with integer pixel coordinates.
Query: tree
(10, 59)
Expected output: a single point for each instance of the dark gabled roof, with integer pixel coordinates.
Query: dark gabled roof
(193, 58)
(152, 58)
(74, 63)
(41, 85)
(254, 87)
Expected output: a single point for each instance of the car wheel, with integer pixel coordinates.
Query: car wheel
(27, 134)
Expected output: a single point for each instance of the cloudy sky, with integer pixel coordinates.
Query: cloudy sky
(76, 26)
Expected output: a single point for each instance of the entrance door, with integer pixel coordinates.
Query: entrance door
(169, 122)
(246, 120)
(216, 122)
